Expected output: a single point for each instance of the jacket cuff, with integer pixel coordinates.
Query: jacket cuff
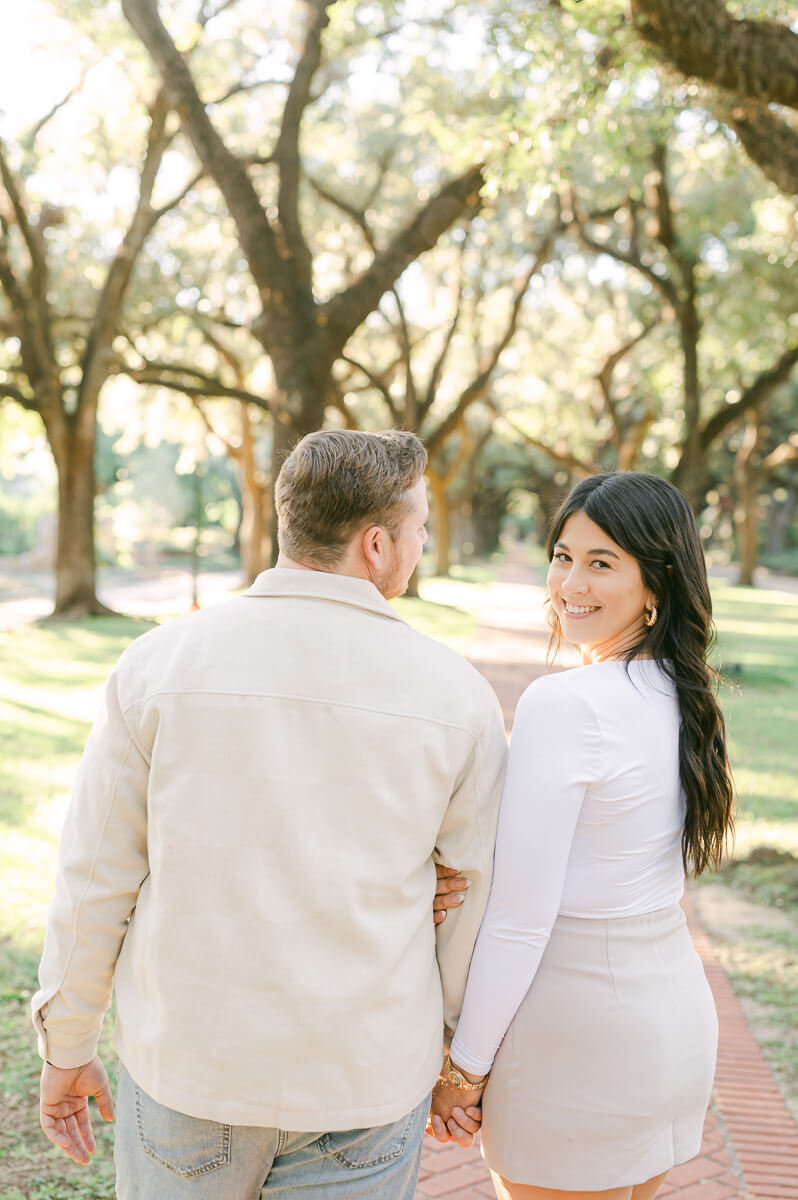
(66, 1052)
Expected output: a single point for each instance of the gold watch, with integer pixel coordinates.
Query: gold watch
(455, 1077)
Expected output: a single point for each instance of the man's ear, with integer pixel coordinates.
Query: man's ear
(373, 545)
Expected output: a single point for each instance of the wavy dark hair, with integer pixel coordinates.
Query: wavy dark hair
(651, 520)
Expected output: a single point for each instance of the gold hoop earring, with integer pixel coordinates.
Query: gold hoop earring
(651, 619)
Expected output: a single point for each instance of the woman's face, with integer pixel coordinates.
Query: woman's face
(596, 589)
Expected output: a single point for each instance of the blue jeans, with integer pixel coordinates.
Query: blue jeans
(165, 1155)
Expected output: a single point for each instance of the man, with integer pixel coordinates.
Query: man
(249, 861)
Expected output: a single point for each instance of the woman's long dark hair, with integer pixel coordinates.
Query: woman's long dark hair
(651, 520)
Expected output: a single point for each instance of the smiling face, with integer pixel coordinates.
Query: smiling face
(596, 590)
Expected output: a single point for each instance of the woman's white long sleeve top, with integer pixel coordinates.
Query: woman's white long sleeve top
(590, 826)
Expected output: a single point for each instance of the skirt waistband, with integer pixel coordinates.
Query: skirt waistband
(660, 920)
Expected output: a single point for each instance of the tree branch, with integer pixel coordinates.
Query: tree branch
(36, 349)
(604, 377)
(770, 140)
(345, 311)
(28, 139)
(212, 389)
(437, 370)
(96, 356)
(755, 59)
(376, 381)
(286, 150)
(558, 454)
(355, 213)
(478, 386)
(35, 250)
(786, 452)
(9, 392)
(258, 240)
(757, 393)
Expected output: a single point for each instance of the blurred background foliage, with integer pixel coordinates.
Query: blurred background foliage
(519, 229)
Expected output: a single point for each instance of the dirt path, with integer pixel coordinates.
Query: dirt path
(750, 1145)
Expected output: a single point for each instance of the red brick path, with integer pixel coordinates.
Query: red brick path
(750, 1144)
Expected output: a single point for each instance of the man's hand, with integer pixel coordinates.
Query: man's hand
(449, 891)
(455, 1114)
(64, 1106)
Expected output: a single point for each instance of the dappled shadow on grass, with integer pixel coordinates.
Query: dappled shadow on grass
(30, 1168)
(64, 655)
(35, 743)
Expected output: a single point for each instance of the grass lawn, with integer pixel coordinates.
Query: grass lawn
(758, 657)
(49, 678)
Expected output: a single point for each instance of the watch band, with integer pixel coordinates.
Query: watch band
(455, 1077)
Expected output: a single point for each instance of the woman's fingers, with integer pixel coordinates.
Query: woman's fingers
(450, 889)
(447, 884)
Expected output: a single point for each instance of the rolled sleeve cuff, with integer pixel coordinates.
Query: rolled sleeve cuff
(61, 1049)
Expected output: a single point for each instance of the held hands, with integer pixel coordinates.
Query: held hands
(64, 1106)
(449, 891)
(455, 1115)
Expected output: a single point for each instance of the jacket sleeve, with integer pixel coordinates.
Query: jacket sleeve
(466, 842)
(102, 862)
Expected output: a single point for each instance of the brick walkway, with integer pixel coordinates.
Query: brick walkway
(750, 1144)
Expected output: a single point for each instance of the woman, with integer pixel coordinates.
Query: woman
(586, 1002)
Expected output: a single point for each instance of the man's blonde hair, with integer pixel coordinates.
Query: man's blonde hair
(338, 481)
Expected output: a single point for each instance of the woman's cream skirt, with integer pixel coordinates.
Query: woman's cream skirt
(605, 1074)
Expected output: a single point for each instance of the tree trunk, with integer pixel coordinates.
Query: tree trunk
(75, 568)
(256, 504)
(782, 514)
(691, 467)
(747, 511)
(297, 413)
(441, 515)
(748, 532)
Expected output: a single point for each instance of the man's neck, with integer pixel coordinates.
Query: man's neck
(347, 566)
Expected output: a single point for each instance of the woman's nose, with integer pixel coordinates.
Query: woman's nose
(575, 581)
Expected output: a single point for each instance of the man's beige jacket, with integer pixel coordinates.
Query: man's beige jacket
(248, 859)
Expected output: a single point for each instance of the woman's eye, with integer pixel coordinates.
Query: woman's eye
(560, 557)
(598, 562)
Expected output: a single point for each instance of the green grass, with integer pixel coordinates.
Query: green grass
(758, 655)
(447, 608)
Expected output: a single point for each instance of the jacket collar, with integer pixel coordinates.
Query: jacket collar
(322, 585)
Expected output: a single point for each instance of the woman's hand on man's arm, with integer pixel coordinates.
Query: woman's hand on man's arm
(450, 891)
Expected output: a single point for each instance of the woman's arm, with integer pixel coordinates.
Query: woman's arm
(555, 753)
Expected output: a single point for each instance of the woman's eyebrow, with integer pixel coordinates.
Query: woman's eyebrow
(607, 552)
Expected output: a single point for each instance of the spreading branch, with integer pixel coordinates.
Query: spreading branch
(754, 59)
(478, 386)
(604, 378)
(355, 214)
(196, 384)
(786, 452)
(270, 269)
(557, 453)
(752, 398)
(455, 200)
(286, 151)
(376, 381)
(770, 140)
(109, 304)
